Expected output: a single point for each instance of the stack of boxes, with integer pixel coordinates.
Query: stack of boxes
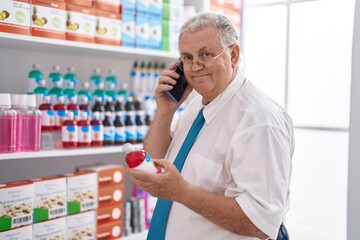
(15, 17)
(229, 8)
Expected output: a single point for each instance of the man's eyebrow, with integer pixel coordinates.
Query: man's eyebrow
(198, 51)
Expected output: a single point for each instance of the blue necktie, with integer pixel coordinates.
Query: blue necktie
(162, 208)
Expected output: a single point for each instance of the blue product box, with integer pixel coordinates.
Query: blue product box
(142, 30)
(142, 6)
(128, 5)
(156, 8)
(155, 34)
(128, 29)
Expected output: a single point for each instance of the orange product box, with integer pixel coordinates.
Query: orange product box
(48, 19)
(15, 16)
(80, 23)
(109, 213)
(235, 4)
(110, 231)
(111, 195)
(85, 3)
(108, 28)
(232, 14)
(108, 174)
(108, 5)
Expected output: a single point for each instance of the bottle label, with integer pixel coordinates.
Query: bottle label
(109, 133)
(120, 134)
(141, 132)
(47, 118)
(60, 116)
(84, 134)
(69, 133)
(147, 165)
(76, 114)
(97, 133)
(88, 114)
(131, 132)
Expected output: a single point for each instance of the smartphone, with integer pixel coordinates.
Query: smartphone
(180, 86)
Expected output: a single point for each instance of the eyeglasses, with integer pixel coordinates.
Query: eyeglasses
(203, 57)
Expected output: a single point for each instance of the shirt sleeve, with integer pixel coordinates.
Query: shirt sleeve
(259, 162)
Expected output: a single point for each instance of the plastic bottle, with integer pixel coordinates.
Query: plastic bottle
(70, 82)
(84, 138)
(73, 107)
(109, 107)
(97, 130)
(139, 159)
(84, 91)
(98, 107)
(120, 128)
(109, 129)
(55, 76)
(60, 112)
(140, 122)
(95, 79)
(40, 91)
(22, 124)
(111, 83)
(84, 106)
(47, 115)
(134, 77)
(55, 91)
(7, 125)
(130, 121)
(34, 76)
(34, 130)
(69, 132)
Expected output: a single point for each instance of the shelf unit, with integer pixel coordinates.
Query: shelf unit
(136, 236)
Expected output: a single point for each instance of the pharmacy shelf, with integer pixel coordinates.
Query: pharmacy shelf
(16, 41)
(136, 236)
(65, 152)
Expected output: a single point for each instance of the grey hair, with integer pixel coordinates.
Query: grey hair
(225, 29)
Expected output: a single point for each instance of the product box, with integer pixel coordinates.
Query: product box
(170, 32)
(82, 192)
(175, 1)
(232, 14)
(111, 195)
(108, 28)
(128, 5)
(108, 5)
(110, 213)
(155, 33)
(108, 174)
(156, 8)
(142, 7)
(53, 229)
(80, 23)
(128, 29)
(22, 233)
(109, 231)
(142, 31)
(235, 4)
(81, 226)
(49, 198)
(15, 16)
(48, 19)
(84, 3)
(16, 204)
(174, 12)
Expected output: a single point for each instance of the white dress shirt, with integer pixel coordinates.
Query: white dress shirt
(243, 151)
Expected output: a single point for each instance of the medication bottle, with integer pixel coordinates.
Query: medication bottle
(34, 77)
(139, 159)
(69, 132)
(22, 124)
(70, 82)
(60, 112)
(84, 139)
(40, 91)
(120, 129)
(47, 115)
(84, 91)
(97, 130)
(111, 83)
(7, 125)
(73, 106)
(109, 129)
(98, 107)
(34, 130)
(84, 105)
(95, 79)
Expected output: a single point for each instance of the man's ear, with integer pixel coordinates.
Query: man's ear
(235, 55)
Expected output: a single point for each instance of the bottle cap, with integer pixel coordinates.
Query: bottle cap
(71, 69)
(30, 100)
(36, 66)
(22, 100)
(127, 148)
(112, 71)
(5, 99)
(15, 99)
(56, 68)
(96, 71)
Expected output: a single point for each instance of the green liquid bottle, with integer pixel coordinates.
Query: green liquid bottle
(70, 82)
(40, 91)
(55, 76)
(85, 92)
(111, 84)
(34, 77)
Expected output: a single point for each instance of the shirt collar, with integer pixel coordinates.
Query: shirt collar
(211, 109)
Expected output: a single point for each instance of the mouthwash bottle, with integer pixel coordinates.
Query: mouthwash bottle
(141, 127)
(7, 121)
(131, 132)
(134, 77)
(85, 91)
(120, 128)
(47, 115)
(123, 91)
(97, 130)
(55, 76)
(69, 132)
(34, 76)
(139, 159)
(84, 127)
(70, 82)
(109, 130)
(34, 130)
(22, 124)
(55, 92)
(99, 91)
(95, 79)
(73, 106)
(40, 91)
(111, 83)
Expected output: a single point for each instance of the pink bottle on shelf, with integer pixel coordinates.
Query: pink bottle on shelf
(34, 140)
(7, 125)
(139, 159)
(23, 124)
(69, 132)
(84, 138)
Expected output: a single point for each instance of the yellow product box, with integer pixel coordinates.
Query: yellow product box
(48, 19)
(109, 213)
(16, 204)
(15, 16)
(22, 233)
(110, 231)
(108, 28)
(52, 229)
(108, 5)
(49, 198)
(111, 195)
(80, 23)
(81, 226)
(82, 192)
(108, 174)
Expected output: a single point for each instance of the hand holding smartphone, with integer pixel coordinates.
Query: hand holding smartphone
(181, 84)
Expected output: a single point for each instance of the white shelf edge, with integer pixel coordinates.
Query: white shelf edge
(136, 236)
(28, 42)
(64, 152)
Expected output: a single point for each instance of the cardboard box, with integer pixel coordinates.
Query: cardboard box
(84, 3)
(142, 7)
(81, 226)
(128, 6)
(234, 4)
(108, 5)
(16, 204)
(108, 28)
(170, 32)
(128, 29)
(174, 12)
(155, 33)
(109, 231)
(15, 16)
(108, 174)
(22, 233)
(82, 192)
(49, 198)
(48, 19)
(53, 229)
(142, 31)
(110, 213)
(156, 8)
(111, 195)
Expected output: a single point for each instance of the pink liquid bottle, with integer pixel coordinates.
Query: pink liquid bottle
(47, 115)
(139, 159)
(23, 125)
(84, 138)
(34, 130)
(97, 130)
(69, 132)
(7, 125)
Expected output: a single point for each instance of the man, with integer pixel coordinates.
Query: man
(234, 183)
